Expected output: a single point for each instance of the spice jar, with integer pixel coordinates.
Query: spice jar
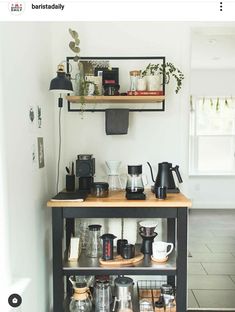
(134, 76)
(167, 289)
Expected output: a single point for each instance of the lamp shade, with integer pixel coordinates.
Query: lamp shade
(61, 83)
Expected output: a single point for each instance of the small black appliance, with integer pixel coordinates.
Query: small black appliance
(165, 177)
(85, 171)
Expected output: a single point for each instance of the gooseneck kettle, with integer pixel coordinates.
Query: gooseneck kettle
(165, 177)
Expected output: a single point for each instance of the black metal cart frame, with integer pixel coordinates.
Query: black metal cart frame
(176, 233)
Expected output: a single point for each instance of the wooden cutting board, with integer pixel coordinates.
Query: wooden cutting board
(118, 260)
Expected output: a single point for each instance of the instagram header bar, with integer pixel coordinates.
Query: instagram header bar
(112, 10)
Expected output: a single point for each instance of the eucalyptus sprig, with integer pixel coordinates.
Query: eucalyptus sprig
(74, 45)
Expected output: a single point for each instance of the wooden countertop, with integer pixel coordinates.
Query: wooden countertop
(117, 199)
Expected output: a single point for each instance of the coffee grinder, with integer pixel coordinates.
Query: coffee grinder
(147, 232)
(85, 171)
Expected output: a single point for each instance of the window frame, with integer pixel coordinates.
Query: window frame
(194, 140)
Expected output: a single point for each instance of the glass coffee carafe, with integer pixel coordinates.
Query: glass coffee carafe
(134, 179)
(81, 299)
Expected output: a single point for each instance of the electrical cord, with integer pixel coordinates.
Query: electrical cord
(59, 153)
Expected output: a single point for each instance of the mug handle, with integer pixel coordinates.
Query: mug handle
(171, 249)
(141, 229)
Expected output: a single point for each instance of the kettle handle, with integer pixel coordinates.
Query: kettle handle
(151, 170)
(176, 169)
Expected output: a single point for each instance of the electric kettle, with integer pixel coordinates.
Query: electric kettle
(165, 177)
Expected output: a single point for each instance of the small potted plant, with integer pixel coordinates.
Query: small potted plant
(157, 71)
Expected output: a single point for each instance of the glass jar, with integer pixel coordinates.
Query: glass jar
(100, 189)
(167, 289)
(103, 296)
(168, 295)
(134, 76)
(94, 248)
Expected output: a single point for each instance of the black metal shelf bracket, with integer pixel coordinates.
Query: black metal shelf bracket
(93, 110)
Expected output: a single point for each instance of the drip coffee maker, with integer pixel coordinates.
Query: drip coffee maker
(123, 294)
(147, 232)
(81, 299)
(114, 180)
(135, 185)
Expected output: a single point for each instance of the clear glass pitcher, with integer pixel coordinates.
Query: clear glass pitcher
(114, 180)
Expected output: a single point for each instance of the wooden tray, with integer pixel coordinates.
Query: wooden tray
(118, 260)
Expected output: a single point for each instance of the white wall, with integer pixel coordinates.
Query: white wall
(26, 72)
(212, 192)
(211, 82)
(153, 137)
(4, 220)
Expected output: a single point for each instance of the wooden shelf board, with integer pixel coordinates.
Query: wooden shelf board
(118, 99)
(118, 199)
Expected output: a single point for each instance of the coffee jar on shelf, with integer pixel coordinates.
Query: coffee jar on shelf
(134, 76)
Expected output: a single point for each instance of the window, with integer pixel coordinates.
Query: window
(212, 136)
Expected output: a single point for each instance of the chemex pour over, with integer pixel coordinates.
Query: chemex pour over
(114, 180)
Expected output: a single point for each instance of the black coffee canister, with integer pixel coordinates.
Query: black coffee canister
(120, 244)
(107, 246)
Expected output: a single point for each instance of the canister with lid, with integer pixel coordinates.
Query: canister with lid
(94, 248)
(134, 76)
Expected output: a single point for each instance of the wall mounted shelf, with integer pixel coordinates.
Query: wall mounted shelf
(125, 64)
(117, 99)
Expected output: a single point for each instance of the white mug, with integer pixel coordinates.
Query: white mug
(160, 249)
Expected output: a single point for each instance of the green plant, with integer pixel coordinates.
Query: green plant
(168, 70)
(74, 45)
